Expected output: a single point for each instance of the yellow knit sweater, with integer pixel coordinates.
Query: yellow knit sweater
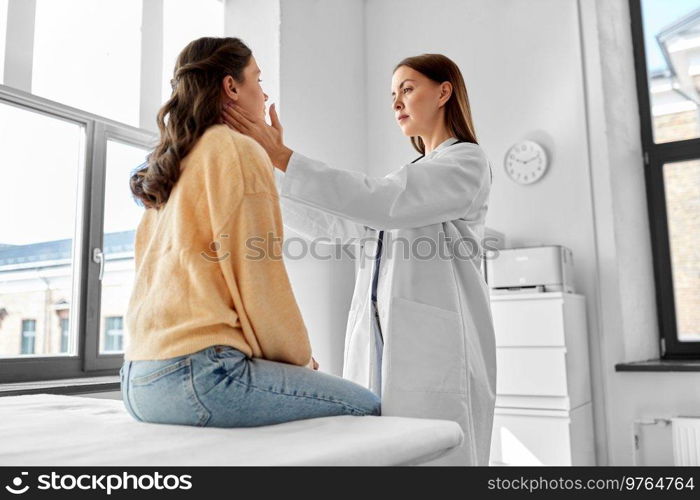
(209, 266)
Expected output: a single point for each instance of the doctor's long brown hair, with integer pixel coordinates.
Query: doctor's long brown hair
(458, 114)
(194, 106)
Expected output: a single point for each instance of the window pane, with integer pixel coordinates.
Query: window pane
(38, 200)
(3, 37)
(122, 216)
(113, 334)
(28, 336)
(87, 54)
(682, 190)
(184, 21)
(672, 45)
(65, 334)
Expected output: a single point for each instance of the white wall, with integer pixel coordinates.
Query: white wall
(323, 80)
(322, 72)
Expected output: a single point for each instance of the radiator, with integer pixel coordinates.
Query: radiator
(686, 440)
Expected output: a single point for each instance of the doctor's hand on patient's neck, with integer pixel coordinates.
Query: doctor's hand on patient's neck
(270, 137)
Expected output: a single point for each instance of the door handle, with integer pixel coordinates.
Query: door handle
(98, 257)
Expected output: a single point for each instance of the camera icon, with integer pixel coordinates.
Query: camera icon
(17, 482)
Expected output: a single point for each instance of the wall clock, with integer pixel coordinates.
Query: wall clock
(526, 162)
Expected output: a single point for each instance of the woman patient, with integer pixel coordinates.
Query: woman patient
(215, 336)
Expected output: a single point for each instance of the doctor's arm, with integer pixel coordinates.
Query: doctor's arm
(418, 194)
(442, 188)
(313, 223)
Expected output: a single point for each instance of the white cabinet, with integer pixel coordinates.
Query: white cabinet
(543, 437)
(543, 410)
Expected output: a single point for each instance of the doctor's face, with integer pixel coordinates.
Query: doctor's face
(416, 102)
(248, 95)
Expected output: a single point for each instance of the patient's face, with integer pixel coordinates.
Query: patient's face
(415, 95)
(248, 95)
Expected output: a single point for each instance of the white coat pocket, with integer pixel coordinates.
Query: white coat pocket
(425, 348)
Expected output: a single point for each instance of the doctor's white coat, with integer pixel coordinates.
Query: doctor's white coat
(433, 353)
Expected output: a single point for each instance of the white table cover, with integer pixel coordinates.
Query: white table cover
(56, 430)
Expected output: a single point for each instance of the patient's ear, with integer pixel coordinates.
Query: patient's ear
(229, 87)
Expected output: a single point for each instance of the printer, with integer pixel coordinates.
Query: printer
(530, 269)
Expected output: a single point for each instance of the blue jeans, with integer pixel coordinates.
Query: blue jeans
(221, 387)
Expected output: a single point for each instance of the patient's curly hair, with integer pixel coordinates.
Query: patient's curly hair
(194, 106)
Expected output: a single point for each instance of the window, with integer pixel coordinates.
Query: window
(64, 334)
(113, 337)
(682, 193)
(121, 217)
(184, 21)
(37, 238)
(50, 243)
(70, 132)
(666, 37)
(28, 336)
(672, 56)
(3, 37)
(87, 54)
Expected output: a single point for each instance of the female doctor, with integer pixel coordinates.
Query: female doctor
(419, 331)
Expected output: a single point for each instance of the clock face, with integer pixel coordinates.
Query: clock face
(526, 162)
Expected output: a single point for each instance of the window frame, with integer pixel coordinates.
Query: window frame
(105, 131)
(85, 309)
(655, 157)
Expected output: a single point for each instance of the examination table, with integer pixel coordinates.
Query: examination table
(56, 430)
